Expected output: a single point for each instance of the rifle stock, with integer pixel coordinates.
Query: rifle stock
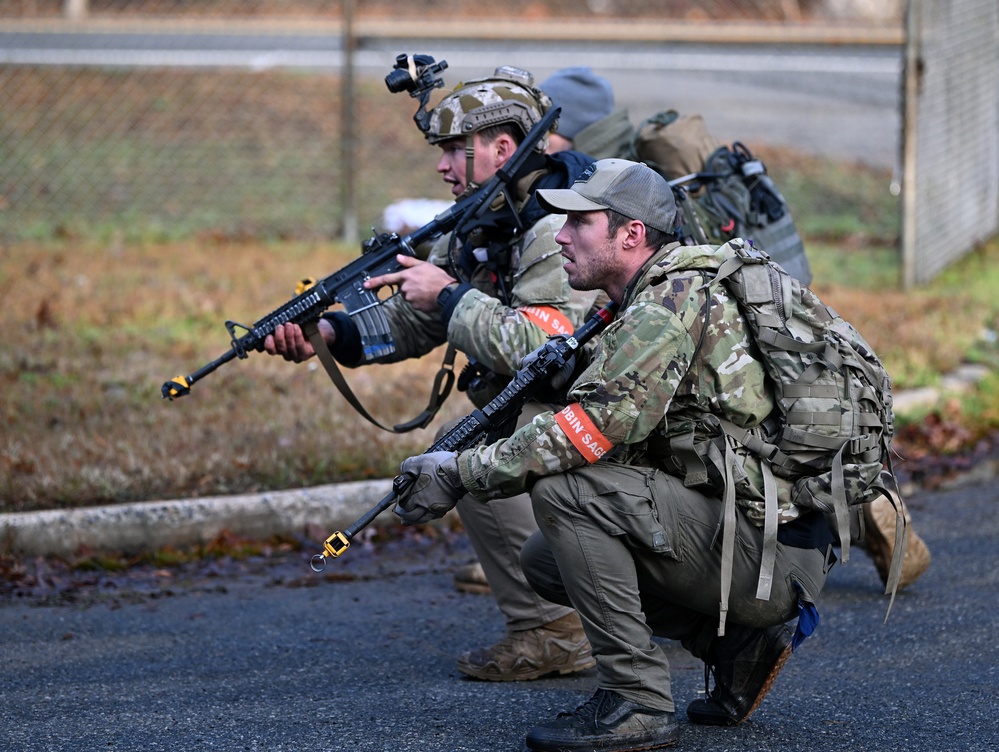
(346, 286)
(505, 407)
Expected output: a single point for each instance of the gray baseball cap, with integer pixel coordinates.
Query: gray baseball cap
(629, 188)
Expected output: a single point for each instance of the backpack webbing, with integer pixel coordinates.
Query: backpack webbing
(833, 422)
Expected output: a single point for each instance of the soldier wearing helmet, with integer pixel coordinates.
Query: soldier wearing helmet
(495, 291)
(504, 104)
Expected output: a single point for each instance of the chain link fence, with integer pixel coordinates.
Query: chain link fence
(163, 144)
(951, 144)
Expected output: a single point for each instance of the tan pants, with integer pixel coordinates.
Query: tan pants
(497, 532)
(631, 549)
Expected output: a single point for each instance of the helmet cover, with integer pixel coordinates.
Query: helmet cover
(508, 96)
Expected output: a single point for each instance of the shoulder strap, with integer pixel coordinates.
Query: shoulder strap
(442, 384)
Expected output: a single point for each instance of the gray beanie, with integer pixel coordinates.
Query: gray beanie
(583, 96)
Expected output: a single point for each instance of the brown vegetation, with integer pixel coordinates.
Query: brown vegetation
(92, 333)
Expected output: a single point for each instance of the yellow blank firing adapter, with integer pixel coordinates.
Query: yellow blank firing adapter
(304, 284)
(176, 387)
(335, 545)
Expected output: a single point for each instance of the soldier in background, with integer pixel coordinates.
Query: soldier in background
(495, 294)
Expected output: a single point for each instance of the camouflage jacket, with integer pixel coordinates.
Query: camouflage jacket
(657, 374)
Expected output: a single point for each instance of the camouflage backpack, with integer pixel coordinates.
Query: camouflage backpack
(830, 434)
(722, 192)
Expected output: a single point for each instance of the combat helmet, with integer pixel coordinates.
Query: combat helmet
(508, 96)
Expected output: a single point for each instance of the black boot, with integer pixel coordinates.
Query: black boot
(606, 723)
(745, 663)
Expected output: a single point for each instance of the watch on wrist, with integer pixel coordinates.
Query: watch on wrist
(444, 295)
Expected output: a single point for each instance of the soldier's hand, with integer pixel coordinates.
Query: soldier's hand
(434, 487)
(420, 282)
(290, 342)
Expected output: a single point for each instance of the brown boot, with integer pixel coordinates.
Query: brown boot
(471, 579)
(879, 541)
(556, 647)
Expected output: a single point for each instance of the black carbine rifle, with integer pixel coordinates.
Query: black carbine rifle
(379, 257)
(493, 418)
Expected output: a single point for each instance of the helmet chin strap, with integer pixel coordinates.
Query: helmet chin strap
(470, 185)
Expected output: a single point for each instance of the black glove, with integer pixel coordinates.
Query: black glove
(434, 487)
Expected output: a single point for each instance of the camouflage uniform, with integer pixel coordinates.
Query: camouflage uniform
(496, 334)
(612, 136)
(634, 547)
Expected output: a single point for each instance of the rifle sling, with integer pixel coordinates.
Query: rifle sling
(442, 383)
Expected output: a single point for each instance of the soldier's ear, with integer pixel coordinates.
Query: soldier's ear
(634, 235)
(503, 147)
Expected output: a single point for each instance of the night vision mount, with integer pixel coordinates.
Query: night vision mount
(419, 75)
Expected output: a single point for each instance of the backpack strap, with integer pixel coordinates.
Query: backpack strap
(762, 449)
(728, 524)
(901, 532)
(769, 559)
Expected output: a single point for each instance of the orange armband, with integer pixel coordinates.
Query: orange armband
(550, 319)
(583, 434)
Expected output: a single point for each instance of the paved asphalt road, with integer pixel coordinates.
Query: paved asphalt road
(266, 655)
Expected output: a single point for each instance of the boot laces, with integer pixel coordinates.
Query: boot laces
(592, 707)
(709, 671)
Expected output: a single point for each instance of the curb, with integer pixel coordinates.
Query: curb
(151, 525)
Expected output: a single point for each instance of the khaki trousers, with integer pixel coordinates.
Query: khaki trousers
(497, 532)
(638, 555)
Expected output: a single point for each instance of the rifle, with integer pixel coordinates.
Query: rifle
(490, 420)
(378, 257)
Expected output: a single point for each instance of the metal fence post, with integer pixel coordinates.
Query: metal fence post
(75, 9)
(910, 96)
(348, 199)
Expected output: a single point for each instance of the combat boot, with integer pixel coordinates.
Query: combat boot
(558, 647)
(745, 663)
(879, 541)
(609, 723)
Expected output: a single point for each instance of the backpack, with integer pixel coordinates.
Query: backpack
(672, 144)
(721, 192)
(831, 430)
